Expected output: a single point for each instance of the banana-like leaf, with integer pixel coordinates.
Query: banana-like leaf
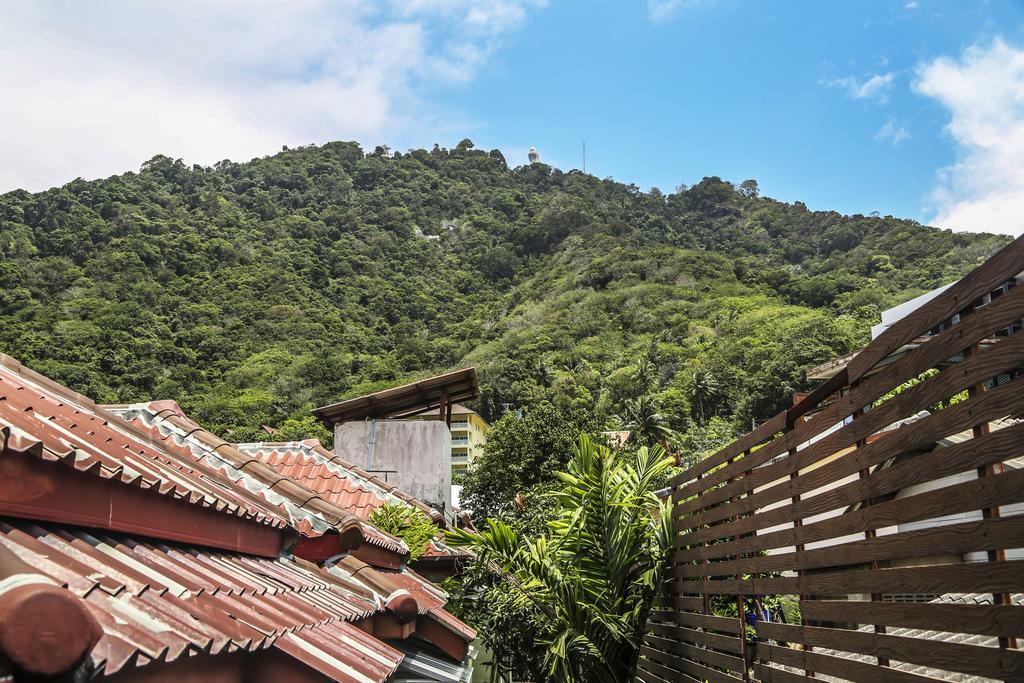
(594, 573)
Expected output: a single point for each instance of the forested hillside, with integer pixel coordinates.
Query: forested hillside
(253, 292)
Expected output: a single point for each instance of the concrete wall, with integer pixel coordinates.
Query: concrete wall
(419, 450)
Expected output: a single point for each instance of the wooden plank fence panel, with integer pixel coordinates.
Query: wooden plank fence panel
(885, 508)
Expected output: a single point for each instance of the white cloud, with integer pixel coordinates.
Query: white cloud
(93, 89)
(663, 10)
(875, 87)
(892, 132)
(984, 92)
(912, 4)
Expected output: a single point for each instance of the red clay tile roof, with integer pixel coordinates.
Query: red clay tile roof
(430, 599)
(349, 487)
(41, 418)
(323, 464)
(311, 511)
(158, 602)
(337, 486)
(435, 549)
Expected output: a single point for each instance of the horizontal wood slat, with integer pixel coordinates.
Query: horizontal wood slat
(993, 620)
(969, 659)
(708, 621)
(985, 577)
(678, 602)
(717, 641)
(831, 665)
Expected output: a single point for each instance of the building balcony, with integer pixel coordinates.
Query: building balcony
(460, 440)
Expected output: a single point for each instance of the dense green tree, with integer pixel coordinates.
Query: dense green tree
(253, 292)
(705, 393)
(521, 453)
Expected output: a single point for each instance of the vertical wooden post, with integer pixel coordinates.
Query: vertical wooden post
(799, 547)
(978, 430)
(705, 597)
(443, 408)
(998, 555)
(870, 533)
(741, 607)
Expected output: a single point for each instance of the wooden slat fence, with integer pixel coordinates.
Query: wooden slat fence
(874, 531)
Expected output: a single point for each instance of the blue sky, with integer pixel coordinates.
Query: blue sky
(911, 108)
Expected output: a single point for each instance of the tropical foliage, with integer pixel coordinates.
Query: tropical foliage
(406, 523)
(586, 584)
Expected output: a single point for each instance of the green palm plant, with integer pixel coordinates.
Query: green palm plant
(645, 422)
(592, 576)
(705, 389)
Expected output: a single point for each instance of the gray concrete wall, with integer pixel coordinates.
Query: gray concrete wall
(419, 450)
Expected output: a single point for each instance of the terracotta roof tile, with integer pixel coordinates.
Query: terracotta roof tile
(158, 603)
(350, 487)
(430, 599)
(311, 511)
(341, 483)
(40, 418)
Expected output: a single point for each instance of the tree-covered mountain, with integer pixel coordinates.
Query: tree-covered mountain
(252, 292)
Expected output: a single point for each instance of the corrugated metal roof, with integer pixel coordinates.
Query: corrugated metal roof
(408, 399)
(159, 602)
(422, 664)
(43, 419)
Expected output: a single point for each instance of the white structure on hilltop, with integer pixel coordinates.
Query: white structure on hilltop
(534, 155)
